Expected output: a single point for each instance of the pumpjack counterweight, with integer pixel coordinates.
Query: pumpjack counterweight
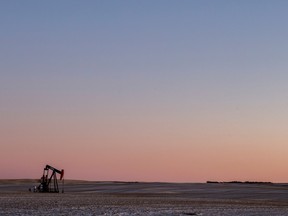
(49, 184)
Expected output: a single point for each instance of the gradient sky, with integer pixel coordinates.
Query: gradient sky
(177, 91)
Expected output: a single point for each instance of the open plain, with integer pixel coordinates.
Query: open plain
(137, 198)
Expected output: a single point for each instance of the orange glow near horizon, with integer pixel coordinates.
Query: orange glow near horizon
(144, 151)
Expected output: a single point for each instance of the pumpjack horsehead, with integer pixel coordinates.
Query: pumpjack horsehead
(49, 184)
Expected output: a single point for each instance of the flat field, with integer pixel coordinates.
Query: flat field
(137, 198)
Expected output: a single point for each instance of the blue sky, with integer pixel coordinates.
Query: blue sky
(193, 69)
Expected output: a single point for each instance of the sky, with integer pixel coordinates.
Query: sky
(171, 91)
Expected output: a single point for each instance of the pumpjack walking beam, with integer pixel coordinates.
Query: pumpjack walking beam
(45, 182)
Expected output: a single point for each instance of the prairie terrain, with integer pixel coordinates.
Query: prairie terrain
(133, 198)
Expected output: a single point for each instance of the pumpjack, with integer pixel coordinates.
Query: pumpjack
(50, 184)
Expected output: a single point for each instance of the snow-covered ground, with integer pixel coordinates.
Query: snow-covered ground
(114, 198)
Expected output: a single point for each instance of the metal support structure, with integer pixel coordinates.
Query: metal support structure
(46, 185)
